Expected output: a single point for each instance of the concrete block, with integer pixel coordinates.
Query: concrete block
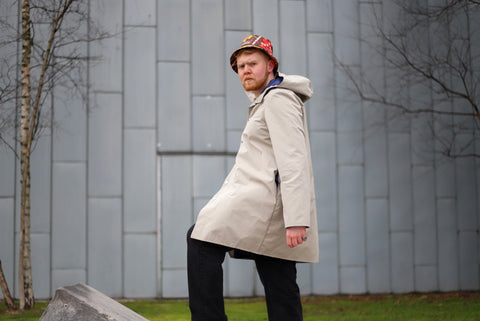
(82, 302)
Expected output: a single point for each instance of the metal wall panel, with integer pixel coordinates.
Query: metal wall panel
(174, 107)
(140, 261)
(105, 146)
(105, 248)
(377, 246)
(140, 196)
(173, 30)
(140, 76)
(123, 175)
(208, 56)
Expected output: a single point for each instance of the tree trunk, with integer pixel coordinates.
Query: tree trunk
(25, 266)
(7, 297)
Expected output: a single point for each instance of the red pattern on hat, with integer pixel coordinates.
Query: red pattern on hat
(254, 41)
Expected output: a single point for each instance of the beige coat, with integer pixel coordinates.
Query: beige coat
(250, 212)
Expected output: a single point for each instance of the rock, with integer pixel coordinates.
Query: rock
(82, 302)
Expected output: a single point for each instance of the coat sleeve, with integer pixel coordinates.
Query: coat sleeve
(284, 117)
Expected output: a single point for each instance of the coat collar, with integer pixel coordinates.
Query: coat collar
(298, 84)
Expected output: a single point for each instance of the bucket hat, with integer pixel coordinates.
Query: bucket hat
(257, 42)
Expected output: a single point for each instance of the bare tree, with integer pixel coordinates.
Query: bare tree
(432, 47)
(51, 37)
(7, 297)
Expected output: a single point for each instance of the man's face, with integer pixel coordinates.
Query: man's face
(255, 70)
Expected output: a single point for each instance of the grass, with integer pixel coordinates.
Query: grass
(458, 306)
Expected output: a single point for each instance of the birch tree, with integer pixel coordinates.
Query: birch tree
(49, 32)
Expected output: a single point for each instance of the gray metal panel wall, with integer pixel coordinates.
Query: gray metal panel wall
(120, 180)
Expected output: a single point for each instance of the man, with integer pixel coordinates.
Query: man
(265, 209)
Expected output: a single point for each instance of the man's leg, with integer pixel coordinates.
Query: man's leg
(205, 279)
(279, 278)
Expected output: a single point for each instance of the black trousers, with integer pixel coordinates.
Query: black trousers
(205, 283)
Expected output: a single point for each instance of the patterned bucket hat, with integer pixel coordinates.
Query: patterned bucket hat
(258, 42)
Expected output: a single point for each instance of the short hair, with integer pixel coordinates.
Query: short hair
(252, 50)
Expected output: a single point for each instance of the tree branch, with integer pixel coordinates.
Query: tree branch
(56, 25)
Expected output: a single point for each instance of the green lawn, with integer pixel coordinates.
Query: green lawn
(463, 306)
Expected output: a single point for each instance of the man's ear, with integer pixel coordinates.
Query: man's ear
(271, 65)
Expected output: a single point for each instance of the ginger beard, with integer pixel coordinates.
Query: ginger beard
(252, 83)
(255, 70)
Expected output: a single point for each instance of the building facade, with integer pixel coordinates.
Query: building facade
(117, 183)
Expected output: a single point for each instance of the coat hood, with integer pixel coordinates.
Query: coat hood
(300, 85)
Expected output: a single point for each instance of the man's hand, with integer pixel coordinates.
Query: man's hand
(296, 235)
